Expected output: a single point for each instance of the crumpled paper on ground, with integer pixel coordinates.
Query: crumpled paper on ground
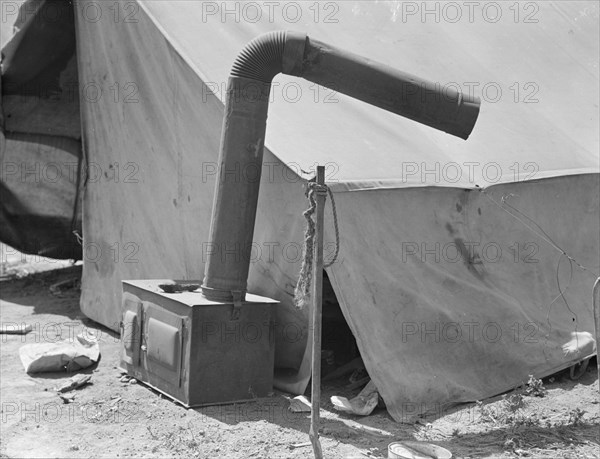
(363, 404)
(66, 355)
(299, 404)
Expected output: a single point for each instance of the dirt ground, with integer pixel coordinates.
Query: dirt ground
(111, 418)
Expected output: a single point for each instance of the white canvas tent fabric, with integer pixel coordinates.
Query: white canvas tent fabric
(451, 272)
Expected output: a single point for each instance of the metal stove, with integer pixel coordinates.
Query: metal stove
(194, 350)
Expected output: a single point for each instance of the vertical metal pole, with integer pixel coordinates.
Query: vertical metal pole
(317, 297)
(596, 303)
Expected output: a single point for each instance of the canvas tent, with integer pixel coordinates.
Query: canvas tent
(40, 118)
(464, 266)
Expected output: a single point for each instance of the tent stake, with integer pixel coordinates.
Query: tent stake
(596, 302)
(317, 298)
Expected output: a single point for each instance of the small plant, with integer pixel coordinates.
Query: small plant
(511, 444)
(535, 387)
(523, 420)
(513, 414)
(425, 431)
(576, 416)
(485, 413)
(510, 412)
(456, 432)
(514, 402)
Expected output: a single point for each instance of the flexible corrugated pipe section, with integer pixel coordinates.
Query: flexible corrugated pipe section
(244, 126)
(262, 58)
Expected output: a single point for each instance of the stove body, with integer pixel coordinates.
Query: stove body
(197, 351)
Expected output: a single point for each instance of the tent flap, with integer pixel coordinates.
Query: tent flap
(40, 150)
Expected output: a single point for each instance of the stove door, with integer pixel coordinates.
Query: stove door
(163, 334)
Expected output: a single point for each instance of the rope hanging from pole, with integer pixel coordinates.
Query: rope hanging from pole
(302, 291)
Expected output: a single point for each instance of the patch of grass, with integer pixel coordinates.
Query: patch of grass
(508, 412)
(521, 422)
(183, 441)
(535, 387)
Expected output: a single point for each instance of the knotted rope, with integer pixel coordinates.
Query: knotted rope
(302, 291)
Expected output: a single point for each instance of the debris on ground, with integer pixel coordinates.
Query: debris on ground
(75, 382)
(65, 355)
(59, 287)
(299, 404)
(418, 450)
(126, 379)
(300, 445)
(67, 398)
(363, 404)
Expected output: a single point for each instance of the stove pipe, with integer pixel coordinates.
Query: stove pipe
(244, 125)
